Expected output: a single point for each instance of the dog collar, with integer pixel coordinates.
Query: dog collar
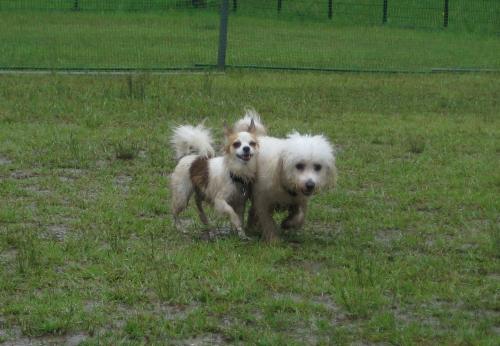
(237, 179)
(242, 183)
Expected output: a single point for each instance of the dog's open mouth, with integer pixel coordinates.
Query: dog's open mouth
(244, 157)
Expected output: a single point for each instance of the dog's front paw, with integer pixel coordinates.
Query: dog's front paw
(271, 238)
(242, 235)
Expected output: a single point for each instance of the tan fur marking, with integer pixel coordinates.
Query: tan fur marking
(230, 140)
(199, 172)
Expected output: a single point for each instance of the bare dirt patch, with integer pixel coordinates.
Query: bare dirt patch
(407, 316)
(23, 174)
(388, 236)
(3, 332)
(432, 241)
(339, 317)
(494, 276)
(123, 182)
(38, 190)
(90, 305)
(69, 174)
(76, 339)
(4, 161)
(184, 225)
(5, 257)
(10, 334)
(101, 163)
(326, 302)
(296, 298)
(56, 232)
(466, 247)
(67, 340)
(167, 311)
(173, 312)
(206, 339)
(367, 343)
(320, 231)
(312, 267)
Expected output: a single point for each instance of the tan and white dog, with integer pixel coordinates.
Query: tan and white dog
(290, 171)
(222, 181)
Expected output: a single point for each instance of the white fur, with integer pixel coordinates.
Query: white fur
(188, 140)
(281, 185)
(221, 191)
(244, 123)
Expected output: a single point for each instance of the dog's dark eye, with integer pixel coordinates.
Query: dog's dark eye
(300, 166)
(236, 145)
(253, 144)
(317, 167)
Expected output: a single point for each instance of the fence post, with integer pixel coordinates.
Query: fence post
(235, 5)
(384, 16)
(330, 9)
(76, 5)
(279, 6)
(221, 57)
(445, 15)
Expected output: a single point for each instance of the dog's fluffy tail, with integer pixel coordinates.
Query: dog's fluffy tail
(244, 123)
(192, 140)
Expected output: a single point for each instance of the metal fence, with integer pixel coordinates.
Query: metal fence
(351, 35)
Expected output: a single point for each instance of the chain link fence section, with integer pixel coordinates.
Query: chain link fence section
(352, 35)
(465, 15)
(365, 35)
(107, 34)
(106, 5)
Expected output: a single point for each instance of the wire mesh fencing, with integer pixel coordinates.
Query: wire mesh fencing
(352, 35)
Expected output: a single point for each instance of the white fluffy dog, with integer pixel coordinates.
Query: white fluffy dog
(223, 181)
(290, 170)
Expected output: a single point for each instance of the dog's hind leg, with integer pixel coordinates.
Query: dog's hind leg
(199, 207)
(180, 199)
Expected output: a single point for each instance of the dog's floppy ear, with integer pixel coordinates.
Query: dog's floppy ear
(228, 131)
(331, 171)
(279, 171)
(251, 127)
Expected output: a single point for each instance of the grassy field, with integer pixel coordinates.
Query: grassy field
(404, 251)
(183, 39)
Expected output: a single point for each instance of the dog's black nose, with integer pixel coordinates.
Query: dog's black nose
(310, 185)
(246, 149)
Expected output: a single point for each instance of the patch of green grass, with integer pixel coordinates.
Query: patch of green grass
(184, 39)
(403, 251)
